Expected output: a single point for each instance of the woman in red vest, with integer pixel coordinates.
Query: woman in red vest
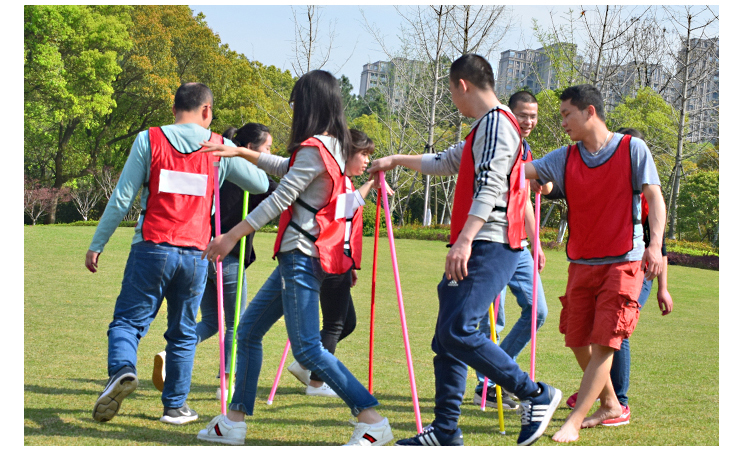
(309, 244)
(336, 304)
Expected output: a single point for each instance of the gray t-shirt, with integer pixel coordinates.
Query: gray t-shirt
(551, 167)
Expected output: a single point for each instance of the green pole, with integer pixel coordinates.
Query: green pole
(237, 302)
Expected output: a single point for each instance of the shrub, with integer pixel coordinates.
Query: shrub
(368, 219)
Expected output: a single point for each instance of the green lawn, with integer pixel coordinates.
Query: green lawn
(674, 388)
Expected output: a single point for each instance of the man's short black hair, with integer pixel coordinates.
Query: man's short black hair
(474, 69)
(192, 96)
(521, 97)
(584, 95)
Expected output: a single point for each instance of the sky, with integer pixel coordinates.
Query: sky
(265, 33)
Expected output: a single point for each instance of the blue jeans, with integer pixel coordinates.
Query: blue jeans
(620, 372)
(522, 286)
(292, 291)
(155, 272)
(457, 341)
(209, 324)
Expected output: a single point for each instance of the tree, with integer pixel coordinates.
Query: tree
(39, 200)
(696, 61)
(85, 194)
(699, 205)
(70, 63)
(649, 113)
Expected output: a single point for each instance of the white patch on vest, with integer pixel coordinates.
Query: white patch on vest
(190, 184)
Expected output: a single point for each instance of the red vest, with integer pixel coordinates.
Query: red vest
(355, 236)
(517, 196)
(600, 204)
(172, 216)
(330, 240)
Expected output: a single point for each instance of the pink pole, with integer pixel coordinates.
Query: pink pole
(220, 292)
(372, 299)
(537, 204)
(278, 373)
(407, 348)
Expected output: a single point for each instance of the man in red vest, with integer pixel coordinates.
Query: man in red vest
(487, 227)
(602, 177)
(176, 185)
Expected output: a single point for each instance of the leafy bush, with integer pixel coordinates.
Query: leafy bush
(368, 219)
(692, 248)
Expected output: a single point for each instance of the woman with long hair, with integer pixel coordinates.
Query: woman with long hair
(310, 243)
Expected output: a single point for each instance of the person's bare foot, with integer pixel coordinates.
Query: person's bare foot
(567, 433)
(600, 415)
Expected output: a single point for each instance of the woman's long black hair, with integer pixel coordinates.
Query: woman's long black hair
(318, 109)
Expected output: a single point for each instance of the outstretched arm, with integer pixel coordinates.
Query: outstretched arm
(392, 161)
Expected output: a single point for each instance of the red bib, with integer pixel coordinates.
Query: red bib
(330, 240)
(600, 205)
(178, 210)
(517, 196)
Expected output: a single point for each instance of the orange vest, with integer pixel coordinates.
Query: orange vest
(517, 196)
(330, 240)
(171, 216)
(600, 204)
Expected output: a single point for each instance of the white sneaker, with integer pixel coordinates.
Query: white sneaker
(226, 393)
(323, 390)
(220, 432)
(371, 435)
(302, 375)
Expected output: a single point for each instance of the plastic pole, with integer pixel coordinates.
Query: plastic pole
(372, 299)
(220, 292)
(537, 201)
(278, 373)
(407, 348)
(238, 301)
(484, 385)
(498, 390)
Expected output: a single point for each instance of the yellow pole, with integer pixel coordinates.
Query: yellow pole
(498, 390)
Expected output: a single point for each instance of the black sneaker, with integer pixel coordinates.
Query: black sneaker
(537, 413)
(491, 401)
(434, 437)
(120, 385)
(181, 415)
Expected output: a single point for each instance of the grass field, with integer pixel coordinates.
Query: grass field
(674, 391)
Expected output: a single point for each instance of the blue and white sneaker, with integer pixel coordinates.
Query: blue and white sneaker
(434, 437)
(537, 413)
(120, 385)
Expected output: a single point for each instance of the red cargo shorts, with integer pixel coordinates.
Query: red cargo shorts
(600, 305)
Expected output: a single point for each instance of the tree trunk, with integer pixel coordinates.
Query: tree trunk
(680, 139)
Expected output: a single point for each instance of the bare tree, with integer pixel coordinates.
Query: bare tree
(696, 59)
(85, 196)
(107, 180)
(39, 200)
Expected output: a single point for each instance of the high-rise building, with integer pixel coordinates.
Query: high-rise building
(703, 90)
(375, 75)
(528, 68)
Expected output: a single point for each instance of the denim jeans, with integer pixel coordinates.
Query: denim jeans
(209, 324)
(337, 308)
(620, 372)
(292, 291)
(155, 272)
(457, 341)
(522, 286)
